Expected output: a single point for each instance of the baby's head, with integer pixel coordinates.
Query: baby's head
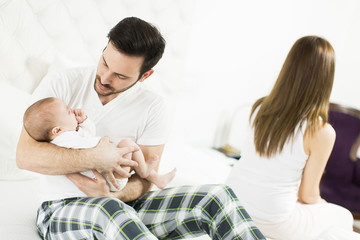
(48, 118)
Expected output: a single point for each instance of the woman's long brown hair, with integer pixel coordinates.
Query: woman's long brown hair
(301, 93)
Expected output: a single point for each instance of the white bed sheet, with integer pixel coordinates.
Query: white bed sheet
(18, 204)
(195, 166)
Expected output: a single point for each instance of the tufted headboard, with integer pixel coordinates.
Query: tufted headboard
(39, 35)
(36, 33)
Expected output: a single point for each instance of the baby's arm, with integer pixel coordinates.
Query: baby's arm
(80, 115)
(86, 127)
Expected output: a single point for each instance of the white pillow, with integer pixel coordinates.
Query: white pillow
(62, 62)
(13, 103)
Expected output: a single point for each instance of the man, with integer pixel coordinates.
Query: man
(120, 109)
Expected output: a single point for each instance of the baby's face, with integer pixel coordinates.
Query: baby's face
(65, 116)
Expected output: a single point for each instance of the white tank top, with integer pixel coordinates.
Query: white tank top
(268, 187)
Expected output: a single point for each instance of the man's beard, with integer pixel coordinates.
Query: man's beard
(113, 91)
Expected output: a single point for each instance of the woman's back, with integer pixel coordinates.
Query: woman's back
(278, 177)
(268, 187)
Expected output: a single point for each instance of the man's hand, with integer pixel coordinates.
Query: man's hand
(111, 158)
(112, 178)
(91, 187)
(80, 115)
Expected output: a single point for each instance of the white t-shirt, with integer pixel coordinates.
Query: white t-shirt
(137, 114)
(54, 187)
(84, 137)
(268, 187)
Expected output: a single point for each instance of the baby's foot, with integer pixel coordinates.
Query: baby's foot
(164, 179)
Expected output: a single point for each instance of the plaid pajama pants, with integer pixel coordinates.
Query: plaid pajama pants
(173, 213)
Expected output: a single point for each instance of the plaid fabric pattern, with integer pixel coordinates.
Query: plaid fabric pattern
(173, 213)
(90, 218)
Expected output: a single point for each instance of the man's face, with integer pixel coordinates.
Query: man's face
(116, 73)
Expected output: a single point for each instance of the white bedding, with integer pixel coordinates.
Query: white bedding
(43, 34)
(18, 202)
(18, 209)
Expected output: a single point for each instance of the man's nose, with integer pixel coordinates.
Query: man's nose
(106, 77)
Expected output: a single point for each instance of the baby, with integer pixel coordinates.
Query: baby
(51, 120)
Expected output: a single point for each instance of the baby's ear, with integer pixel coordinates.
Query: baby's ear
(56, 131)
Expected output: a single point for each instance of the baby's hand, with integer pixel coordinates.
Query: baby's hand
(80, 115)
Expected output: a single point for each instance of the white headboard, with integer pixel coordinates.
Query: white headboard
(35, 33)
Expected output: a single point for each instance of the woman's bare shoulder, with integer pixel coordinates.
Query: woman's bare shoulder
(324, 135)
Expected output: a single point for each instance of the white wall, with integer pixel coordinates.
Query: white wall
(237, 48)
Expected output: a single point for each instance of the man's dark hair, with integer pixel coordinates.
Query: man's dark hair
(135, 37)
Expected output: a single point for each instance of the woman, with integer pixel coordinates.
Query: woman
(278, 176)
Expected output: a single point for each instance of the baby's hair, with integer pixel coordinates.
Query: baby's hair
(39, 120)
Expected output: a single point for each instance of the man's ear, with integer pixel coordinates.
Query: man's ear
(56, 131)
(146, 75)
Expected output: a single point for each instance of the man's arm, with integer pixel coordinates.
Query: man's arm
(135, 187)
(46, 158)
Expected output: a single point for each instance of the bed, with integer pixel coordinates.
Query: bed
(19, 196)
(44, 35)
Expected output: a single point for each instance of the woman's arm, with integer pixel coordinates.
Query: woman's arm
(46, 158)
(318, 146)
